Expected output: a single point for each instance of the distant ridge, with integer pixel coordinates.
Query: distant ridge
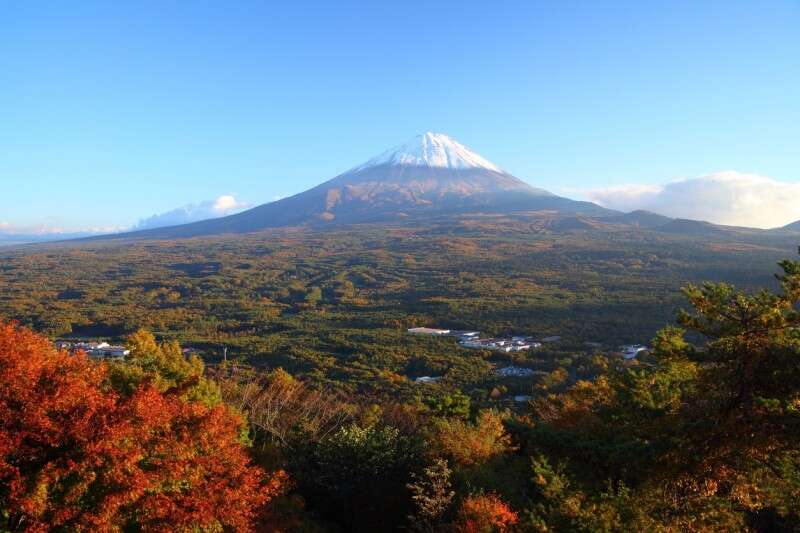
(685, 226)
(641, 219)
(794, 226)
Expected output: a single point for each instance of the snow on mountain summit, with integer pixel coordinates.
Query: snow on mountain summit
(431, 150)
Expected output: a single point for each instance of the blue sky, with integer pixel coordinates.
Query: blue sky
(113, 111)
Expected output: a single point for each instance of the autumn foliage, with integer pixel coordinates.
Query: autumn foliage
(471, 443)
(485, 514)
(76, 455)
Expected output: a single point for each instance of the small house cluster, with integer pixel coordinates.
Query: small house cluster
(630, 351)
(472, 339)
(428, 331)
(514, 371)
(428, 379)
(95, 349)
(514, 344)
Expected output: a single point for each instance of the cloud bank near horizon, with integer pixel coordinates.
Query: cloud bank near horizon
(18, 234)
(9, 229)
(223, 205)
(729, 197)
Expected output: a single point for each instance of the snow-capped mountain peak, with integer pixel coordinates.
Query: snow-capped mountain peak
(435, 150)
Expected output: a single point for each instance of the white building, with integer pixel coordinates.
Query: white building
(632, 350)
(514, 371)
(515, 344)
(117, 351)
(89, 346)
(428, 331)
(101, 350)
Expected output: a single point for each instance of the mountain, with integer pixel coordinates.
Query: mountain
(640, 219)
(794, 226)
(683, 226)
(431, 175)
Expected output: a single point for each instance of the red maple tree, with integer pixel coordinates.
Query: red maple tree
(76, 455)
(485, 513)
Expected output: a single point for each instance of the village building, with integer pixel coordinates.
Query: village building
(514, 344)
(514, 371)
(96, 349)
(428, 379)
(464, 334)
(428, 331)
(554, 338)
(630, 351)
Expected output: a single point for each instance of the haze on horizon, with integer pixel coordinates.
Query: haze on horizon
(119, 116)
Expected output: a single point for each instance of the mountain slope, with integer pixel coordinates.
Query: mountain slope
(683, 226)
(794, 226)
(431, 175)
(641, 219)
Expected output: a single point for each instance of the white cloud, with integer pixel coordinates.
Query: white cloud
(50, 228)
(14, 233)
(7, 228)
(728, 197)
(224, 205)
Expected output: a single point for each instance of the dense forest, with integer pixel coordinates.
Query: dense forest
(334, 306)
(314, 422)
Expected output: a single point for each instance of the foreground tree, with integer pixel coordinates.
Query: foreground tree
(284, 411)
(707, 437)
(76, 455)
(484, 513)
(432, 495)
(359, 474)
(165, 367)
(467, 443)
(748, 393)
